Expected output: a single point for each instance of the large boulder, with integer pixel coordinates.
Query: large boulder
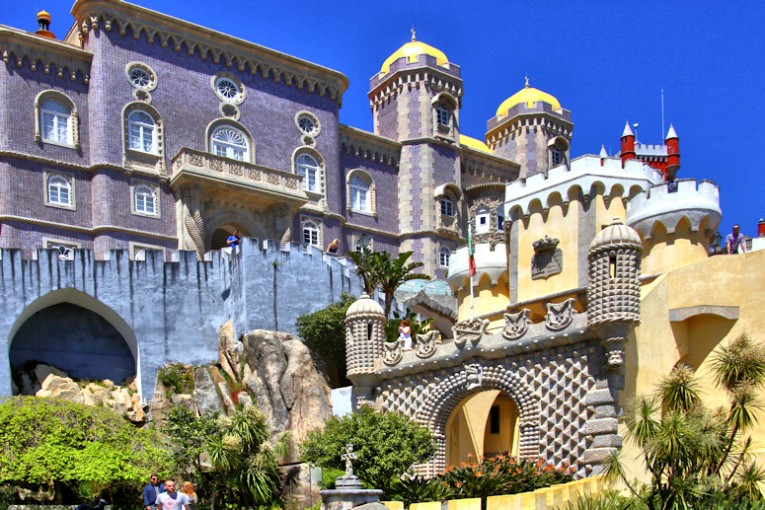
(206, 395)
(61, 387)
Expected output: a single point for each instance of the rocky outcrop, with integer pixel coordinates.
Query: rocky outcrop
(48, 381)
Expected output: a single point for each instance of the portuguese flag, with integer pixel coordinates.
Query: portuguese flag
(471, 258)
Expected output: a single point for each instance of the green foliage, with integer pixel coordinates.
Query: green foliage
(420, 490)
(502, 475)
(378, 270)
(387, 444)
(606, 500)
(324, 332)
(695, 455)
(187, 435)
(244, 462)
(48, 442)
(178, 377)
(328, 477)
(417, 326)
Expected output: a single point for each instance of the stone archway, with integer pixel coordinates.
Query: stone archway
(222, 224)
(78, 334)
(475, 378)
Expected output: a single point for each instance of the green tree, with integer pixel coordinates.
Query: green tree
(324, 333)
(244, 460)
(54, 443)
(386, 443)
(378, 270)
(693, 452)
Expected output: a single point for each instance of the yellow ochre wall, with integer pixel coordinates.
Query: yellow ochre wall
(658, 345)
(664, 252)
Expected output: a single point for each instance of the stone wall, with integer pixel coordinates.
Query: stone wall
(171, 312)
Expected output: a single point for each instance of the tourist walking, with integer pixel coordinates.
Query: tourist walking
(151, 491)
(170, 499)
(188, 489)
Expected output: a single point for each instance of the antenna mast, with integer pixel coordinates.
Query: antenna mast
(662, 115)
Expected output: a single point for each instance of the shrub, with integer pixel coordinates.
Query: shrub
(177, 376)
(420, 490)
(502, 475)
(386, 444)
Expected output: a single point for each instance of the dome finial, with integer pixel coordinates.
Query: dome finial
(414, 33)
(527, 81)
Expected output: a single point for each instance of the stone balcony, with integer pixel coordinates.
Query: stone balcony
(488, 261)
(216, 173)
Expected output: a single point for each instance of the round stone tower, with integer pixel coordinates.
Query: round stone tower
(613, 295)
(364, 336)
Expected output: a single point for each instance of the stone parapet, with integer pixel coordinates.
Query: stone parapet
(669, 203)
(488, 261)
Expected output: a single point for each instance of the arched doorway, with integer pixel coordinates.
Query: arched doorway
(483, 425)
(77, 334)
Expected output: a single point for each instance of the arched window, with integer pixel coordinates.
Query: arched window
(59, 191)
(229, 142)
(311, 233)
(360, 193)
(443, 114)
(142, 132)
(55, 120)
(145, 200)
(308, 168)
(443, 257)
(482, 220)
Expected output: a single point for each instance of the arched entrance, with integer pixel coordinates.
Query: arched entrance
(223, 225)
(77, 334)
(452, 392)
(483, 425)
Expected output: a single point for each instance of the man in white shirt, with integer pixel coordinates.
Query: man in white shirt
(170, 499)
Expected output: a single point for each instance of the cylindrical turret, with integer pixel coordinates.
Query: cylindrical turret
(628, 144)
(364, 335)
(673, 153)
(43, 22)
(613, 296)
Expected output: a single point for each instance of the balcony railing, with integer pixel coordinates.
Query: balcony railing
(193, 164)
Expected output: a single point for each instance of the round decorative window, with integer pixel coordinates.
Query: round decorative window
(141, 76)
(307, 123)
(228, 89)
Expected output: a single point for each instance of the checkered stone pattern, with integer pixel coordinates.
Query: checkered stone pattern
(564, 379)
(549, 387)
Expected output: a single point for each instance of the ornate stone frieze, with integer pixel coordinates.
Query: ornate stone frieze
(516, 324)
(560, 315)
(392, 352)
(426, 344)
(470, 330)
(45, 55)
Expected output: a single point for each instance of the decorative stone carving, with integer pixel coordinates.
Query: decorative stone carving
(614, 352)
(392, 352)
(560, 315)
(349, 457)
(547, 260)
(426, 344)
(474, 376)
(469, 330)
(516, 324)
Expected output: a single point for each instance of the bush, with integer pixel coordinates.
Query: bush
(72, 447)
(176, 376)
(502, 475)
(387, 444)
(420, 490)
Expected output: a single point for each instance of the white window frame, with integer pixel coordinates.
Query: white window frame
(482, 221)
(446, 206)
(303, 119)
(443, 257)
(240, 92)
(310, 229)
(361, 242)
(68, 181)
(145, 130)
(308, 170)
(500, 220)
(228, 148)
(63, 112)
(65, 249)
(360, 193)
(142, 208)
(443, 114)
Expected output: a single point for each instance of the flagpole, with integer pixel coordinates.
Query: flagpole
(472, 309)
(471, 270)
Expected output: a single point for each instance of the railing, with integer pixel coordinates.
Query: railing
(193, 163)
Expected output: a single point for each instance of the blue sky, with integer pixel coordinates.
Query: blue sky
(605, 61)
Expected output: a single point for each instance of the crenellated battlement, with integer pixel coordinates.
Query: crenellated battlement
(588, 175)
(669, 203)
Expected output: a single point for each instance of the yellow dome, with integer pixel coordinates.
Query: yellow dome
(474, 143)
(411, 51)
(528, 95)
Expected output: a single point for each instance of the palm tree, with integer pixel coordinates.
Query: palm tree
(378, 270)
(685, 446)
